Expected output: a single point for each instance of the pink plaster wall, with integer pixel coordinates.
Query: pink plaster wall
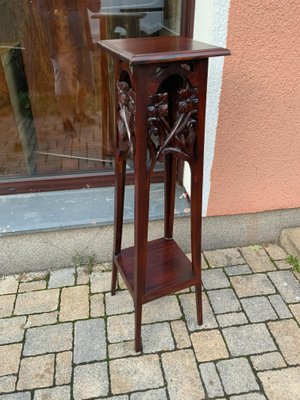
(257, 155)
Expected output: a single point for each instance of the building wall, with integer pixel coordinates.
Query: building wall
(252, 154)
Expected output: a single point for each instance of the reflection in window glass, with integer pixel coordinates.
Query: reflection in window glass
(55, 95)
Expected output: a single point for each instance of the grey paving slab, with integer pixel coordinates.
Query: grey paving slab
(135, 373)
(8, 284)
(7, 305)
(211, 380)
(157, 394)
(48, 339)
(214, 279)
(120, 303)
(36, 372)
(12, 329)
(31, 286)
(280, 306)
(275, 252)
(249, 396)
(16, 396)
(163, 309)
(238, 270)
(231, 319)
(120, 328)
(100, 282)
(237, 376)
(181, 335)
(63, 370)
(287, 285)
(8, 383)
(37, 302)
(122, 349)
(258, 309)
(90, 380)
(62, 277)
(10, 355)
(224, 257)
(224, 301)
(157, 337)
(90, 341)
(248, 339)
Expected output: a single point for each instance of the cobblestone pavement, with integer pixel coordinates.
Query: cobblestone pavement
(63, 336)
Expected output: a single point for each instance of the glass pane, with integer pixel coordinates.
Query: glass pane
(55, 94)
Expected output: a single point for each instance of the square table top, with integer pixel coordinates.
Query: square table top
(148, 50)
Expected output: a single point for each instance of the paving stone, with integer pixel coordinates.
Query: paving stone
(163, 309)
(211, 380)
(100, 282)
(37, 302)
(250, 396)
(268, 361)
(224, 301)
(48, 339)
(295, 308)
(122, 349)
(120, 328)
(283, 264)
(135, 373)
(158, 394)
(248, 339)
(12, 329)
(7, 305)
(41, 319)
(237, 376)
(90, 380)
(115, 398)
(224, 257)
(157, 337)
(258, 309)
(59, 392)
(120, 303)
(214, 279)
(16, 396)
(231, 319)
(10, 359)
(287, 285)
(238, 270)
(74, 303)
(182, 375)
(181, 334)
(280, 306)
(82, 276)
(252, 285)
(63, 370)
(7, 384)
(62, 277)
(97, 305)
(209, 345)
(90, 341)
(188, 303)
(34, 276)
(257, 259)
(8, 284)
(275, 252)
(287, 336)
(36, 372)
(281, 384)
(31, 286)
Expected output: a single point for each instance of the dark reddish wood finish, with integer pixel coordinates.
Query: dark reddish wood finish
(161, 96)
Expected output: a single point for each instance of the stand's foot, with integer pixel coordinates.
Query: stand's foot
(114, 279)
(198, 293)
(138, 328)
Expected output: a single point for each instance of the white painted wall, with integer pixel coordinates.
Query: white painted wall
(211, 21)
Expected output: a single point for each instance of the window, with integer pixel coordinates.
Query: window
(56, 107)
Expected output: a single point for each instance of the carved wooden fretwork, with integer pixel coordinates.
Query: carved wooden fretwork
(126, 121)
(180, 139)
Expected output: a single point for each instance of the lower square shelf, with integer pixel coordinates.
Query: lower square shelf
(168, 269)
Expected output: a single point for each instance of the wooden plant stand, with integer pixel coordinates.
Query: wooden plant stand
(160, 106)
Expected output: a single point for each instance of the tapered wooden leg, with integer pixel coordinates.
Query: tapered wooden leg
(170, 181)
(199, 311)
(138, 328)
(119, 211)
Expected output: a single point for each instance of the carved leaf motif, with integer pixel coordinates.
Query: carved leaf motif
(187, 100)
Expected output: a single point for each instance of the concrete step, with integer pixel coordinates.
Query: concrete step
(290, 241)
